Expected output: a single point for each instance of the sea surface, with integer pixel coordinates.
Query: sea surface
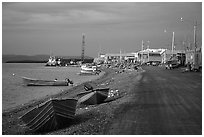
(15, 93)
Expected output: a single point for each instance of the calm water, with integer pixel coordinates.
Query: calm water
(15, 93)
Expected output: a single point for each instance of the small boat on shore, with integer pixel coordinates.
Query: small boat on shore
(51, 115)
(92, 97)
(38, 82)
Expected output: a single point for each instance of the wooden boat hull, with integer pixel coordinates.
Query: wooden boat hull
(50, 115)
(36, 82)
(93, 97)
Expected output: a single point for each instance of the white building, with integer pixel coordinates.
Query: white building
(149, 55)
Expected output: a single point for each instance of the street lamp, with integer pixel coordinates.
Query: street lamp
(194, 32)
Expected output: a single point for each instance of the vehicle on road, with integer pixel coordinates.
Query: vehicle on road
(156, 63)
(171, 64)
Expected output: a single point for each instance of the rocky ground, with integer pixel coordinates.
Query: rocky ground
(89, 120)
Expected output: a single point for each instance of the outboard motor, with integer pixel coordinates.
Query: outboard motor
(69, 81)
(88, 87)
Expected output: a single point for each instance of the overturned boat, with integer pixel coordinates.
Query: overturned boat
(51, 115)
(92, 97)
(38, 82)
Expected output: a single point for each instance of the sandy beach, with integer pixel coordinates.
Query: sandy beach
(89, 119)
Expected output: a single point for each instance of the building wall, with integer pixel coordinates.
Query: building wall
(166, 55)
(194, 57)
(120, 57)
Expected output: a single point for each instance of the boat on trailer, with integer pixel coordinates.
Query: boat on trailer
(51, 115)
(38, 82)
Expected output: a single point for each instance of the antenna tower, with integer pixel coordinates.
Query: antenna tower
(83, 47)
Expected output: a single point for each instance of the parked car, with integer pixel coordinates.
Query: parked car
(171, 64)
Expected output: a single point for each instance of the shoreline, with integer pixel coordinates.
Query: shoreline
(47, 97)
(10, 121)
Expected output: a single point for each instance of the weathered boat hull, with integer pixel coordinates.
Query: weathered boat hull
(93, 97)
(36, 82)
(50, 115)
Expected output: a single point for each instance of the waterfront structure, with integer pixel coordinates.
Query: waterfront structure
(116, 58)
(194, 57)
(169, 54)
(120, 57)
(150, 55)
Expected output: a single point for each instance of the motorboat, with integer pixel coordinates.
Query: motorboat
(89, 69)
(38, 82)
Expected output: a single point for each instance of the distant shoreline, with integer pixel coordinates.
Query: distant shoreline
(26, 61)
(38, 58)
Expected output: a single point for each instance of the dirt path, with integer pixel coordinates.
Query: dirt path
(164, 102)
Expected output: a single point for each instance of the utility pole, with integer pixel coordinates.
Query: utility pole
(148, 50)
(172, 46)
(194, 36)
(195, 44)
(142, 51)
(142, 45)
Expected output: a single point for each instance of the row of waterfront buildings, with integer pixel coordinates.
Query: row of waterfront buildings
(151, 55)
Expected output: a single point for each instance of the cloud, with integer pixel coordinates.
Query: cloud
(115, 24)
(55, 13)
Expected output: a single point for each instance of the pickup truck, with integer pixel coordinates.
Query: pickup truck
(171, 64)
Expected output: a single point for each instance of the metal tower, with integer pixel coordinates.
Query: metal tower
(83, 47)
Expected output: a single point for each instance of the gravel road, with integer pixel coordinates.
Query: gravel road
(165, 102)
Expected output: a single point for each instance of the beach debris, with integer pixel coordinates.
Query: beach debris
(113, 93)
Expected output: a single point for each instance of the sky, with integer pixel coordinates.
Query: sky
(35, 28)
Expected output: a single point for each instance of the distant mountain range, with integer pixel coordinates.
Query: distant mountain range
(34, 59)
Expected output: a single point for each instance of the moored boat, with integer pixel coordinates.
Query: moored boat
(51, 61)
(38, 82)
(84, 72)
(89, 69)
(51, 115)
